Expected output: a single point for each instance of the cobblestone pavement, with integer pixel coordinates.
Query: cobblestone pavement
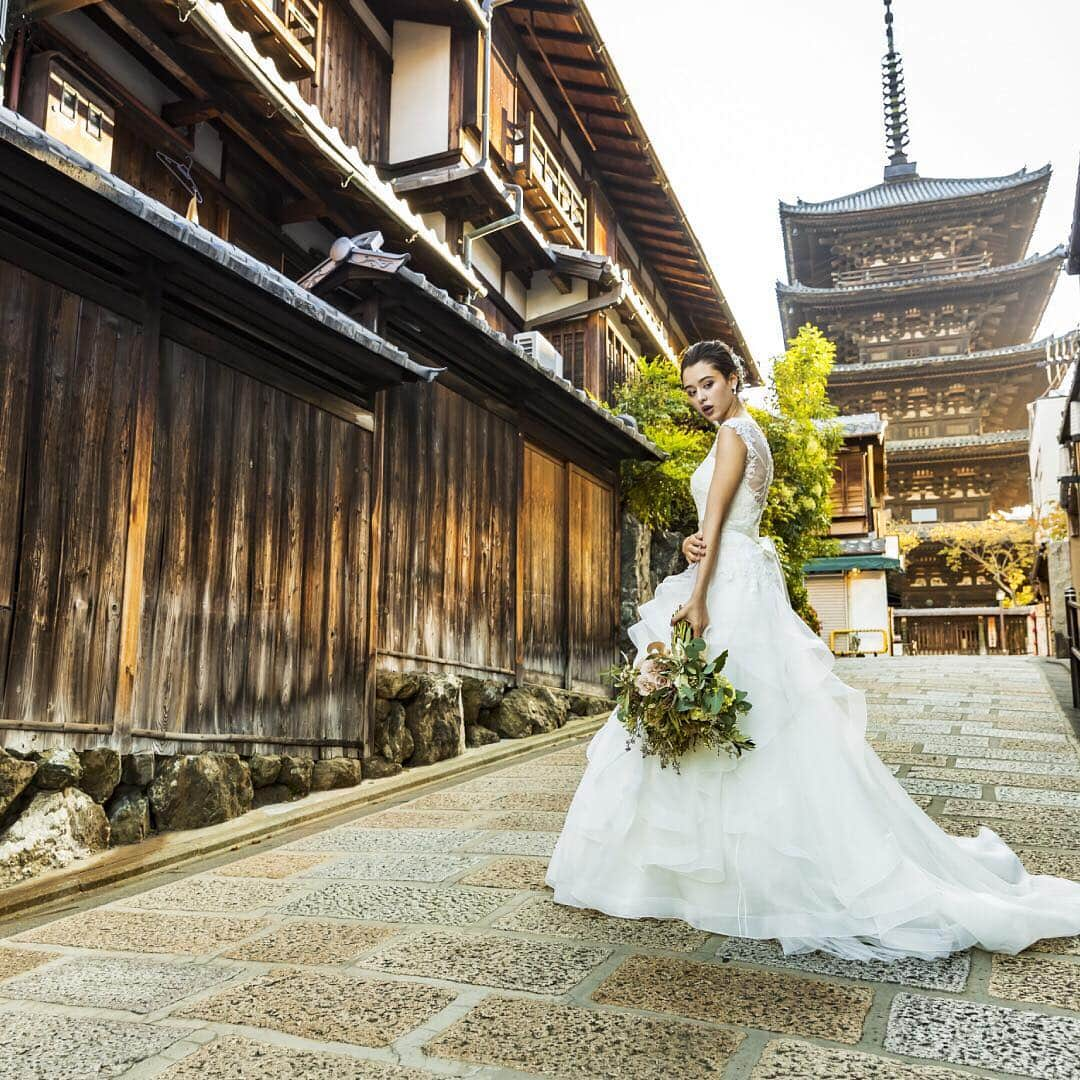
(418, 939)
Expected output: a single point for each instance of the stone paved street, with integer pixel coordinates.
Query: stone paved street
(418, 939)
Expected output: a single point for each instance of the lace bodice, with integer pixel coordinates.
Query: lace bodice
(744, 513)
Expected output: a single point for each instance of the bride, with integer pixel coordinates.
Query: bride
(808, 838)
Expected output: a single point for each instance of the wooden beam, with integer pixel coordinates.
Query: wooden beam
(575, 63)
(375, 567)
(46, 9)
(292, 213)
(189, 111)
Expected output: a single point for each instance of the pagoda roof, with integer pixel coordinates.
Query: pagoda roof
(1005, 357)
(916, 191)
(855, 425)
(947, 442)
(930, 283)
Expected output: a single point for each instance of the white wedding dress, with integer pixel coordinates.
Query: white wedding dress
(808, 838)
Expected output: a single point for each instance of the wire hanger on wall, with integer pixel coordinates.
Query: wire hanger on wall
(181, 170)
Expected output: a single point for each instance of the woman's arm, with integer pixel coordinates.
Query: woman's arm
(727, 472)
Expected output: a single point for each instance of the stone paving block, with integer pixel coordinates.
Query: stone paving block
(1048, 754)
(1042, 731)
(572, 755)
(949, 973)
(233, 1058)
(992, 811)
(398, 866)
(334, 1008)
(513, 842)
(995, 776)
(918, 786)
(1037, 797)
(489, 960)
(16, 961)
(143, 931)
(786, 1059)
(542, 916)
(557, 801)
(359, 840)
(1017, 832)
(1028, 744)
(881, 744)
(527, 821)
(451, 906)
(955, 744)
(37, 1046)
(1036, 979)
(1062, 946)
(984, 1036)
(891, 758)
(453, 800)
(1056, 863)
(543, 771)
(905, 729)
(1034, 768)
(722, 994)
(139, 986)
(503, 785)
(307, 941)
(922, 801)
(564, 1042)
(509, 872)
(410, 818)
(271, 864)
(212, 894)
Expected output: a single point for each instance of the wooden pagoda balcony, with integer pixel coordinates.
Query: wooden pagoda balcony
(285, 30)
(550, 194)
(911, 271)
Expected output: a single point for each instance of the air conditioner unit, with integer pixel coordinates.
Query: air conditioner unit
(538, 348)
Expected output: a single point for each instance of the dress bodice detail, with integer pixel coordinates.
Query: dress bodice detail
(744, 513)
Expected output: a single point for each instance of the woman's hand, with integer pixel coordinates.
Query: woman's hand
(695, 614)
(693, 547)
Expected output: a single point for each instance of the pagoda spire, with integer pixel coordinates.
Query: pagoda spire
(896, 122)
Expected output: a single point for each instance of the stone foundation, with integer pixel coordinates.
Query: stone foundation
(60, 805)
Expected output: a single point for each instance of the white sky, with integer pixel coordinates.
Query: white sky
(749, 103)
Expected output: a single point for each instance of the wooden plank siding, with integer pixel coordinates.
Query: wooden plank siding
(238, 561)
(447, 590)
(255, 618)
(568, 556)
(69, 378)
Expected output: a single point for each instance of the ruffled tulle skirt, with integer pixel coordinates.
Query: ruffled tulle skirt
(808, 838)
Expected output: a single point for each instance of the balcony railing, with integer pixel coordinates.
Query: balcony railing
(551, 194)
(909, 271)
(285, 30)
(644, 313)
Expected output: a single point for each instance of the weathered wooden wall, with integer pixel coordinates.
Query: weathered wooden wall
(447, 588)
(352, 89)
(221, 519)
(255, 580)
(568, 569)
(68, 382)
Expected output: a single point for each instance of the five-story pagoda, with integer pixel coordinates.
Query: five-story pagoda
(927, 289)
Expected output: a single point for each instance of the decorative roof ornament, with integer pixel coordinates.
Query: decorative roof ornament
(896, 121)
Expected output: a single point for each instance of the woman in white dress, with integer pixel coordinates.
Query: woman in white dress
(808, 838)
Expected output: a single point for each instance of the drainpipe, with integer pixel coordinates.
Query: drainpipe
(485, 101)
(18, 58)
(468, 237)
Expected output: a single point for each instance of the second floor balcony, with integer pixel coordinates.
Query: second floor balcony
(285, 30)
(911, 270)
(550, 192)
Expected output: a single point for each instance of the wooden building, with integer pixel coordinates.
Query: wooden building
(850, 591)
(301, 302)
(928, 289)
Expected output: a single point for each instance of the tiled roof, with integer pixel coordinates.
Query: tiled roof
(913, 192)
(868, 423)
(988, 438)
(28, 137)
(953, 358)
(797, 290)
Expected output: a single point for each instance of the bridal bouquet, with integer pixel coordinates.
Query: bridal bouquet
(678, 699)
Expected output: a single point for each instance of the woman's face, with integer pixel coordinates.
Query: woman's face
(708, 390)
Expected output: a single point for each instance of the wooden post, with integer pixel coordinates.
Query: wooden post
(568, 569)
(375, 567)
(138, 509)
(519, 558)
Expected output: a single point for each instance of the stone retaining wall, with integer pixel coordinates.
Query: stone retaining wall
(60, 805)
